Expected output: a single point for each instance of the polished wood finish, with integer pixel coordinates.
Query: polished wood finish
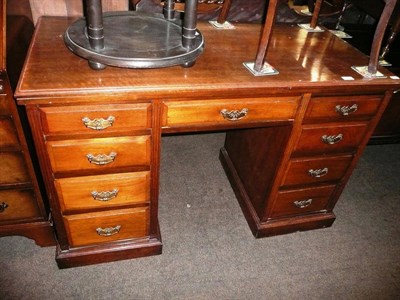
(323, 139)
(59, 120)
(210, 112)
(265, 154)
(85, 229)
(73, 155)
(22, 209)
(79, 193)
(322, 109)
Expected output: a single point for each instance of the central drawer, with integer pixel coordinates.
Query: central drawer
(102, 227)
(103, 191)
(104, 153)
(229, 111)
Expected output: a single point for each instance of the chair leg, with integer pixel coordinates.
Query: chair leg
(266, 35)
(395, 28)
(223, 15)
(340, 17)
(378, 36)
(132, 4)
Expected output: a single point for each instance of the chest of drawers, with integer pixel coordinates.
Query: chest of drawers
(22, 210)
(292, 140)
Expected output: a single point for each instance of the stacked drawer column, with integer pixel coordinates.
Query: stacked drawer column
(99, 160)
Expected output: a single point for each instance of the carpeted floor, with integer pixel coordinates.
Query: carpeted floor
(210, 253)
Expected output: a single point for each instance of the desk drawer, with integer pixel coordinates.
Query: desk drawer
(8, 133)
(302, 201)
(13, 168)
(95, 119)
(103, 191)
(342, 108)
(229, 111)
(104, 153)
(95, 228)
(315, 170)
(18, 205)
(330, 138)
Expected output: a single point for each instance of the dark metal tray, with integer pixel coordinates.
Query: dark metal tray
(135, 40)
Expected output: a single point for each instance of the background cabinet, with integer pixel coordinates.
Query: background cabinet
(22, 210)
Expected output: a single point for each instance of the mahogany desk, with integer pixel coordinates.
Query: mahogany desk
(292, 139)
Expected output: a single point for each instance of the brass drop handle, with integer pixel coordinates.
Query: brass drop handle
(101, 159)
(332, 139)
(105, 195)
(98, 123)
(109, 231)
(303, 203)
(3, 207)
(234, 115)
(318, 172)
(346, 110)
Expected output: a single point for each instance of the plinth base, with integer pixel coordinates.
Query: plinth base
(135, 40)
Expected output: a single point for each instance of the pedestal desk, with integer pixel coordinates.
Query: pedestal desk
(292, 139)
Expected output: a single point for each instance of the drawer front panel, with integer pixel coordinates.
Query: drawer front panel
(103, 191)
(229, 111)
(314, 170)
(326, 139)
(342, 108)
(96, 228)
(302, 201)
(13, 168)
(105, 153)
(95, 119)
(18, 205)
(8, 133)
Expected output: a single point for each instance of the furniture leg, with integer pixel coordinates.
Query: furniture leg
(224, 12)
(266, 35)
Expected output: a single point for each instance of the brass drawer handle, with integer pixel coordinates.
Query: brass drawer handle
(98, 124)
(101, 159)
(303, 203)
(332, 139)
(318, 172)
(346, 109)
(109, 231)
(3, 207)
(104, 196)
(234, 115)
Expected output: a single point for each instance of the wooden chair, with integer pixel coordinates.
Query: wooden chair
(70, 8)
(204, 6)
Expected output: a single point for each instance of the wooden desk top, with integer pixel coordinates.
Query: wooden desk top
(312, 62)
